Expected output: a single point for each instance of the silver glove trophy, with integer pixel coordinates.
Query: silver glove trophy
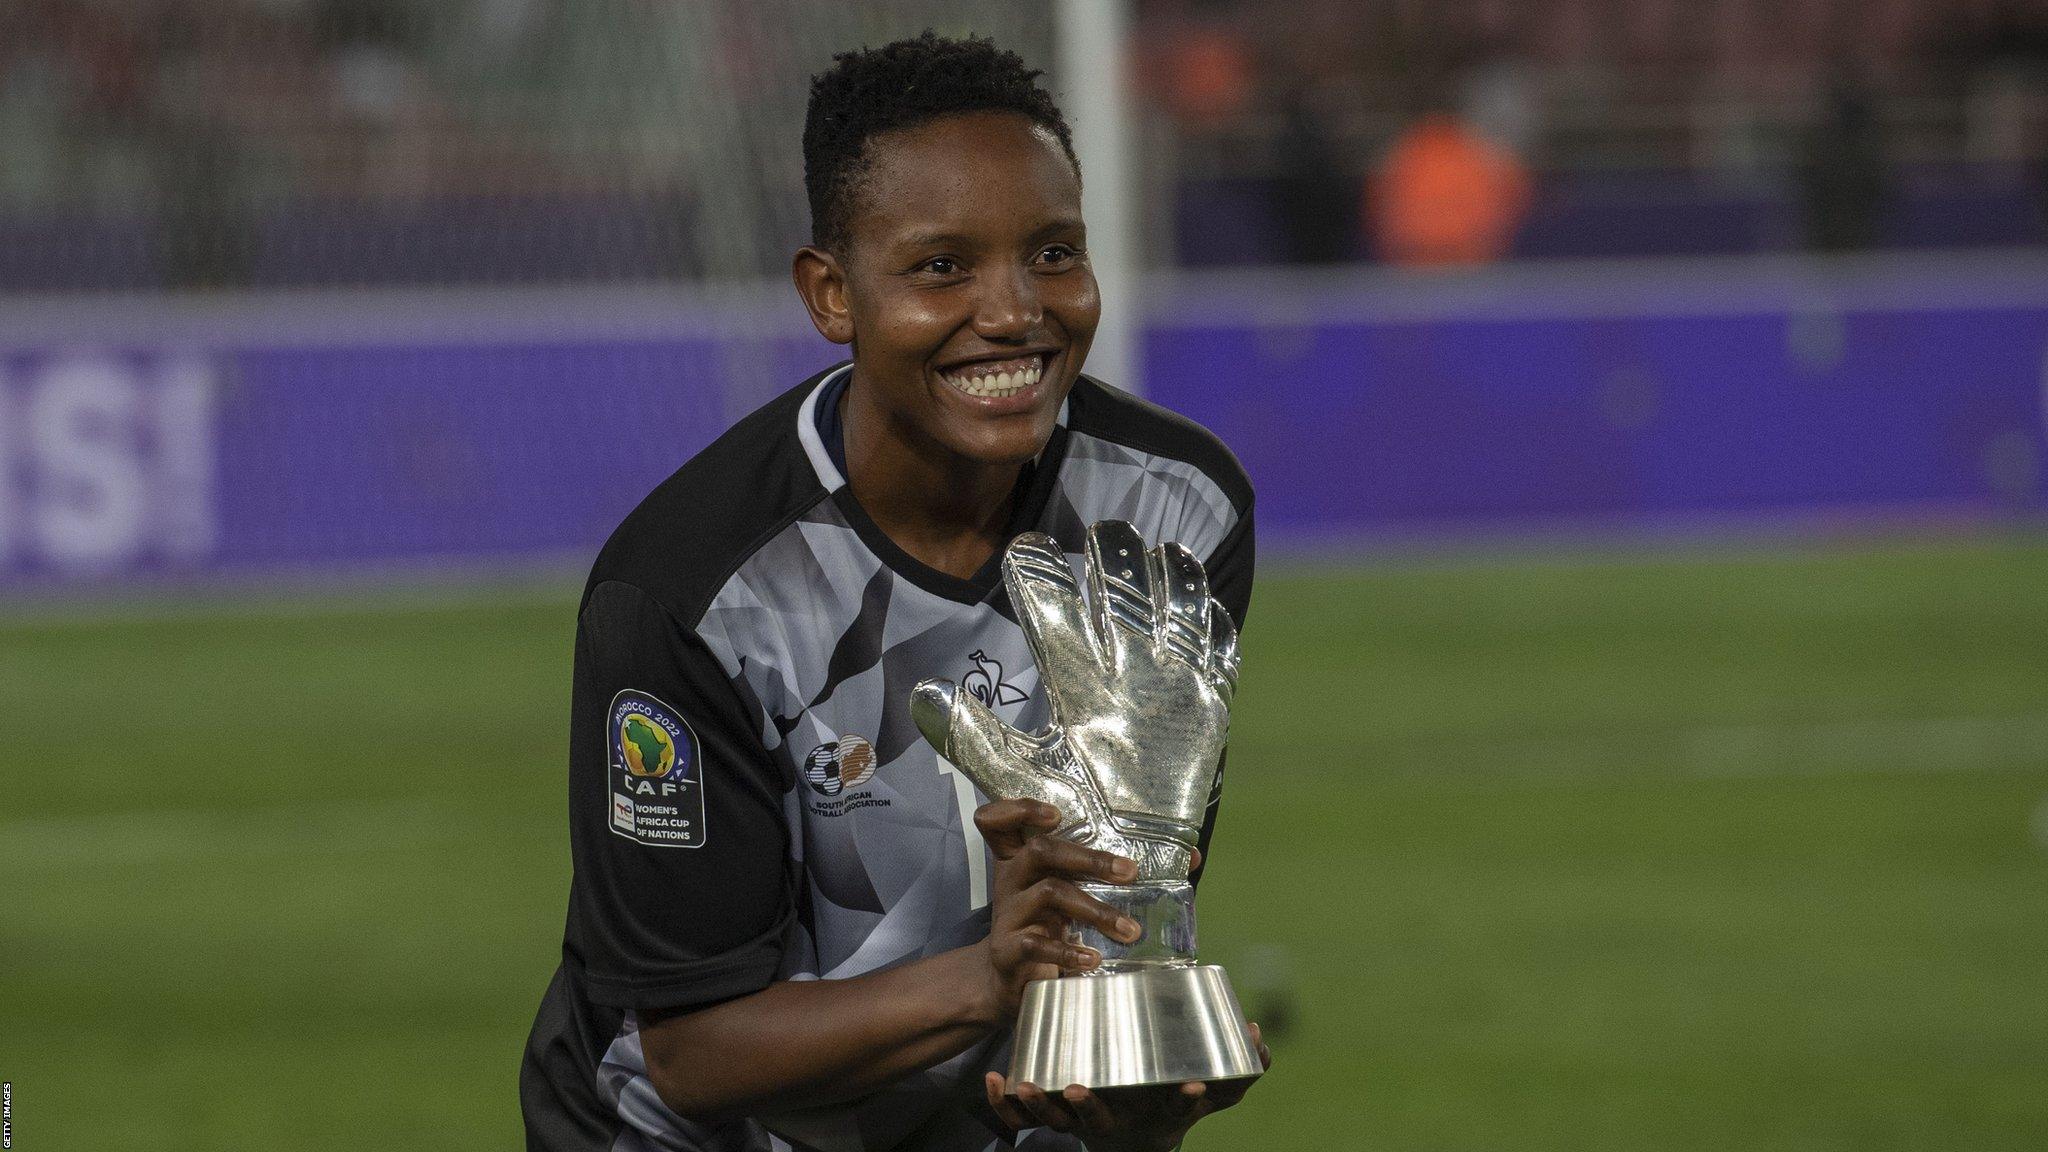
(1139, 679)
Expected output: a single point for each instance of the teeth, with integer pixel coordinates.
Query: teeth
(979, 381)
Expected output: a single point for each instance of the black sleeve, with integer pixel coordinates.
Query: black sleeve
(681, 893)
(1230, 568)
(1230, 581)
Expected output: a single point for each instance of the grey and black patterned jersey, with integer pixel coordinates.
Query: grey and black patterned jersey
(749, 800)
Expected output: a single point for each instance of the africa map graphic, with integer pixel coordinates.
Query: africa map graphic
(649, 751)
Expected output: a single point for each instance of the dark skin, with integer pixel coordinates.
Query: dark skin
(966, 256)
(967, 248)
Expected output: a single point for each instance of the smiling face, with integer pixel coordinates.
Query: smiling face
(964, 286)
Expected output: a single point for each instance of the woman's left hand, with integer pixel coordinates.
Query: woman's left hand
(1154, 1121)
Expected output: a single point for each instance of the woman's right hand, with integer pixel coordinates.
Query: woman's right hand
(1033, 896)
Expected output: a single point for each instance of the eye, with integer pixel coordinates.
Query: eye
(1057, 255)
(940, 266)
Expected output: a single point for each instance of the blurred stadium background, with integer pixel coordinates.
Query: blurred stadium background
(1645, 733)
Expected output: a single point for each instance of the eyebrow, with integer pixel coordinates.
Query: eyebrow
(959, 240)
(1057, 225)
(933, 240)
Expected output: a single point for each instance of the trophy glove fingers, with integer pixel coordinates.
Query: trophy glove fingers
(1181, 605)
(991, 753)
(1121, 580)
(1004, 763)
(1049, 607)
(1222, 662)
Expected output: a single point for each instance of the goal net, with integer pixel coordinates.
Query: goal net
(287, 143)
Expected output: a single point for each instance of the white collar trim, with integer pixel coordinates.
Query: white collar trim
(814, 445)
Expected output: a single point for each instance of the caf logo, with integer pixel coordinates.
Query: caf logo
(649, 750)
(837, 765)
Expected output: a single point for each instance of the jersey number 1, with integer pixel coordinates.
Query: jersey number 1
(977, 849)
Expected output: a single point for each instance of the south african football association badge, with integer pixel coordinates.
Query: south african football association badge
(836, 770)
(657, 776)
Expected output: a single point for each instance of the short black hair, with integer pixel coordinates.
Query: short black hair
(901, 85)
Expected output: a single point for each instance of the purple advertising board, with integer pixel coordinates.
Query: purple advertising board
(290, 435)
(1735, 393)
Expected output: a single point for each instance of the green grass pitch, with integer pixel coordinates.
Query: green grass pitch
(1675, 851)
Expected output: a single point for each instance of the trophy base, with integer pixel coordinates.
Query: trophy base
(1131, 1029)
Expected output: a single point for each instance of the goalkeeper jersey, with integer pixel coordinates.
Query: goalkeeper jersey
(749, 800)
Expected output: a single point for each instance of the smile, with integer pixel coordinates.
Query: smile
(994, 379)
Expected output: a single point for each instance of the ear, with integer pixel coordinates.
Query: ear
(822, 283)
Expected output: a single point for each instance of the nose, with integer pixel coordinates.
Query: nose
(1009, 307)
